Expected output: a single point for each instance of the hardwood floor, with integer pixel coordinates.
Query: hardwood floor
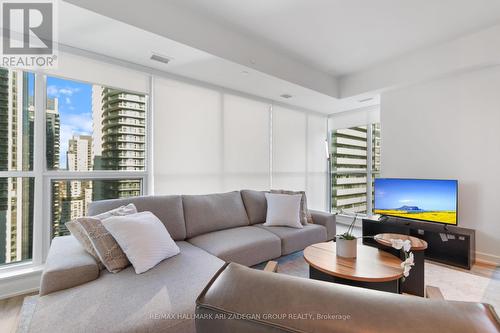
(9, 312)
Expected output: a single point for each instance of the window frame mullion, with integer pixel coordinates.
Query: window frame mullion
(39, 199)
(369, 169)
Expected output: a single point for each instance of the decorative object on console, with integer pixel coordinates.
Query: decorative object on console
(413, 284)
(143, 238)
(283, 210)
(404, 246)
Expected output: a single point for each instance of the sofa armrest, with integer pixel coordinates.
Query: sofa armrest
(245, 300)
(327, 220)
(68, 265)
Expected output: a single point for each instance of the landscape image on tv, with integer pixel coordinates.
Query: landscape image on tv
(421, 199)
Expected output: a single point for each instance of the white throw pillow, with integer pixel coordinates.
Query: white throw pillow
(283, 210)
(120, 211)
(143, 238)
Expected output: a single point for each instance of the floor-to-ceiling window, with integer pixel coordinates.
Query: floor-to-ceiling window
(17, 93)
(90, 127)
(66, 141)
(355, 163)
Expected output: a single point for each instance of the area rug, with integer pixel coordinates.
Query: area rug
(455, 284)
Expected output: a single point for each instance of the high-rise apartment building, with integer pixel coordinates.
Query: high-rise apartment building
(97, 125)
(355, 158)
(123, 138)
(76, 194)
(79, 154)
(16, 153)
(53, 133)
(53, 147)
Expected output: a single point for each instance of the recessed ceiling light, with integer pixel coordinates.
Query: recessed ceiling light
(286, 95)
(160, 58)
(365, 100)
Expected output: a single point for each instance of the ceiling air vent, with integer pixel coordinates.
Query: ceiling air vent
(365, 100)
(160, 58)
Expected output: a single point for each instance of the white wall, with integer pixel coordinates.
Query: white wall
(450, 128)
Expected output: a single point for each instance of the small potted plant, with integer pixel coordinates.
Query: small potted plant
(347, 243)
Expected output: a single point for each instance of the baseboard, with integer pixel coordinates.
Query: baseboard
(487, 258)
(20, 284)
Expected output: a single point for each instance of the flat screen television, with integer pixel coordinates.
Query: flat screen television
(428, 200)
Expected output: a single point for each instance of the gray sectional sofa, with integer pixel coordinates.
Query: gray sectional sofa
(209, 229)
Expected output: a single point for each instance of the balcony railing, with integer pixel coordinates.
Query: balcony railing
(124, 113)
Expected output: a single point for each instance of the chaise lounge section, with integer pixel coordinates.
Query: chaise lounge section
(209, 229)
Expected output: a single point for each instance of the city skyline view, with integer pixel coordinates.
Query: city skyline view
(87, 127)
(74, 108)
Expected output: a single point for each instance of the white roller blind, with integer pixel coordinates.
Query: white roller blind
(246, 143)
(187, 138)
(316, 162)
(289, 149)
(82, 68)
(353, 118)
(208, 141)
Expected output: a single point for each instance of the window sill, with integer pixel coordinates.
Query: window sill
(19, 271)
(20, 281)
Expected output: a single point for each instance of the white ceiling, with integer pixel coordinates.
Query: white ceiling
(297, 47)
(344, 36)
(86, 30)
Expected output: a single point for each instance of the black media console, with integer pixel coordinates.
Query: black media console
(447, 244)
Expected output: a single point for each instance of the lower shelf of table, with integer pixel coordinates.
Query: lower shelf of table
(392, 286)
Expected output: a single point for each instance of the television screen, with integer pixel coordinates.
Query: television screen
(419, 199)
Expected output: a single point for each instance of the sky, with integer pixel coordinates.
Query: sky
(426, 194)
(75, 110)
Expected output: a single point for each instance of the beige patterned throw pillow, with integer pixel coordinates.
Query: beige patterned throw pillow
(108, 250)
(79, 233)
(77, 230)
(305, 215)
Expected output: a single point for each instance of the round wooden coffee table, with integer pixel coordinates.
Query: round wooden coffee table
(372, 268)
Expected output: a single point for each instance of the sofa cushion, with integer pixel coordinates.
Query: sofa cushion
(212, 212)
(159, 300)
(255, 205)
(293, 240)
(68, 265)
(168, 208)
(245, 245)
